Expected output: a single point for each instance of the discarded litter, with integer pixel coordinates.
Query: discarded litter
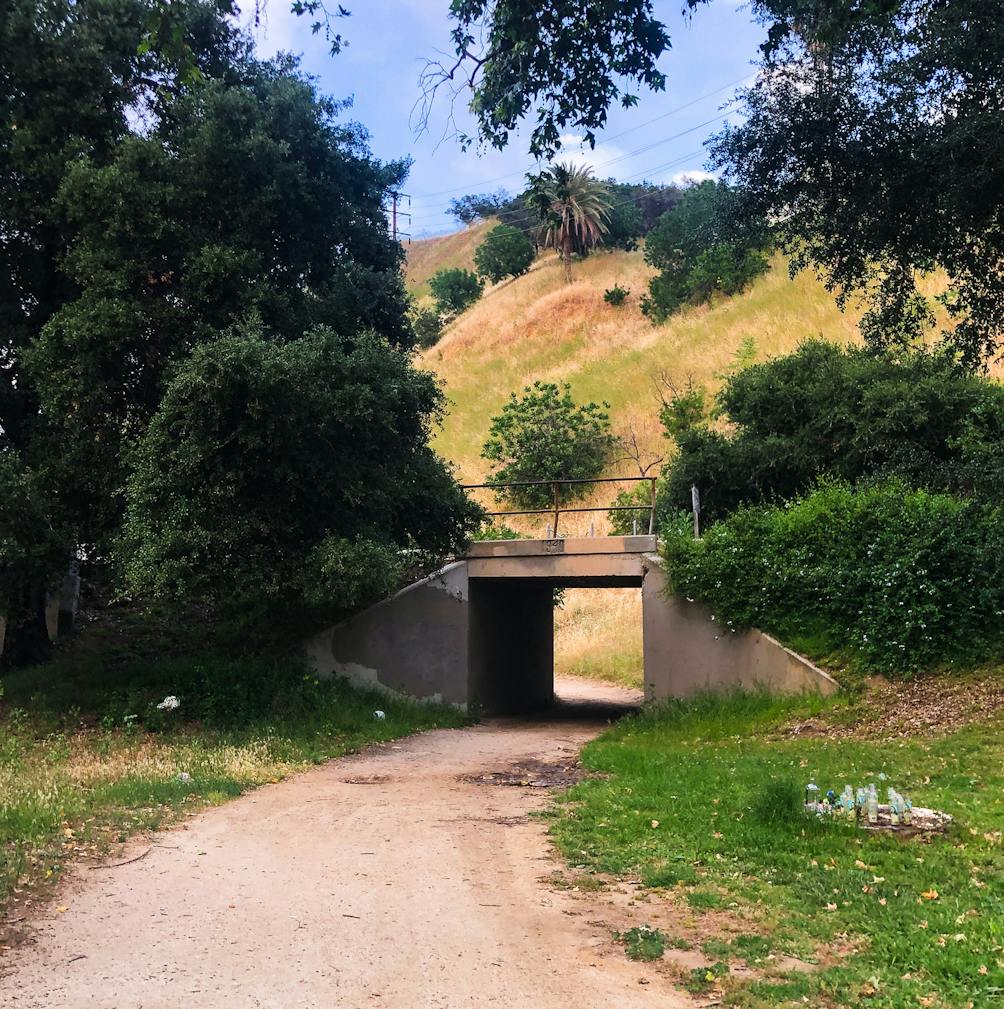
(381, 715)
(170, 703)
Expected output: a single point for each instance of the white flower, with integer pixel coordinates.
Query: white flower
(170, 703)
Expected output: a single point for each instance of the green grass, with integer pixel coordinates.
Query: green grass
(918, 922)
(643, 943)
(86, 758)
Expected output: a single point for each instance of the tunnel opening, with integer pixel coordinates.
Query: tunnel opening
(526, 634)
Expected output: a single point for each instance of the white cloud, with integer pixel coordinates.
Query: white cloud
(574, 150)
(691, 177)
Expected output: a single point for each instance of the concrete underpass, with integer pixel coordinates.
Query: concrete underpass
(479, 634)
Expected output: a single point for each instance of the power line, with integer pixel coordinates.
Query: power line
(664, 115)
(623, 157)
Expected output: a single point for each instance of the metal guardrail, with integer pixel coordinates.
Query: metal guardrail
(557, 509)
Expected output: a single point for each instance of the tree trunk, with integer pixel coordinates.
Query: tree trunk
(566, 255)
(26, 642)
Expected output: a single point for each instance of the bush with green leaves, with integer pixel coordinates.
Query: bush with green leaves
(616, 295)
(32, 550)
(900, 580)
(427, 324)
(699, 252)
(545, 435)
(505, 252)
(256, 480)
(848, 413)
(454, 290)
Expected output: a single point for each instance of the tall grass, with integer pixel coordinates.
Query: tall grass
(597, 635)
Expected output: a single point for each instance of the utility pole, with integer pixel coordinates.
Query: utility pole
(395, 197)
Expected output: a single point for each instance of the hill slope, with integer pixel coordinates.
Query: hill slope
(539, 327)
(429, 255)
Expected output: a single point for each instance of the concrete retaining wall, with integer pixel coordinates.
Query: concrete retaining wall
(687, 650)
(480, 633)
(414, 643)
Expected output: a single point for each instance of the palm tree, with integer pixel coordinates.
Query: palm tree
(574, 207)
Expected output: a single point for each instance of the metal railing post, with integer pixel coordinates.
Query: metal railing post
(557, 500)
(651, 514)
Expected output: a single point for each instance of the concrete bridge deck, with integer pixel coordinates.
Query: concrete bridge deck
(479, 633)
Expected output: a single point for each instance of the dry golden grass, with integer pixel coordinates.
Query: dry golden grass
(597, 634)
(429, 255)
(539, 327)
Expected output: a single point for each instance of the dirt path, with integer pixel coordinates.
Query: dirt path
(377, 880)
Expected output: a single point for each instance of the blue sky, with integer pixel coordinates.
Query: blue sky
(389, 40)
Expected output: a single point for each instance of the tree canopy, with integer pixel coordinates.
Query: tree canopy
(699, 251)
(564, 61)
(544, 434)
(160, 195)
(872, 136)
(505, 252)
(256, 477)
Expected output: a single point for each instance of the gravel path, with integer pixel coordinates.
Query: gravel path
(382, 879)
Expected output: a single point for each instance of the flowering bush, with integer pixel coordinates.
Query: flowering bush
(905, 580)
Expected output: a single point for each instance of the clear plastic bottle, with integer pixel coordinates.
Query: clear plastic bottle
(872, 804)
(848, 802)
(894, 806)
(907, 811)
(811, 794)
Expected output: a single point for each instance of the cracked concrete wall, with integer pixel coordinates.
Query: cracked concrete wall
(414, 643)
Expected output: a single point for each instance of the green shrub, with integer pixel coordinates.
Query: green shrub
(278, 474)
(902, 580)
(454, 290)
(505, 252)
(847, 413)
(616, 295)
(699, 252)
(492, 531)
(428, 326)
(545, 435)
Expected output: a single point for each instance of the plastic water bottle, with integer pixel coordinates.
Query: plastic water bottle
(894, 801)
(848, 801)
(872, 804)
(811, 794)
(907, 812)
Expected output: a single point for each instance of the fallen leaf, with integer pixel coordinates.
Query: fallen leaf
(931, 894)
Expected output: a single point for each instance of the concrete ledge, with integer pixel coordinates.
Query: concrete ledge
(563, 547)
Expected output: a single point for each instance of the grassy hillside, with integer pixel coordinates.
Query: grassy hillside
(429, 255)
(539, 327)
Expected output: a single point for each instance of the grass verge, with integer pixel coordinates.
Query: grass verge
(888, 922)
(88, 759)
